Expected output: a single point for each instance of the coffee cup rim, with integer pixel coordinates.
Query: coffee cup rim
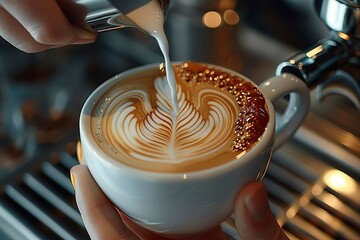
(264, 143)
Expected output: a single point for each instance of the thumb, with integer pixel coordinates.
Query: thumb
(254, 219)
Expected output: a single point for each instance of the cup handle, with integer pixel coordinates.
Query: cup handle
(298, 106)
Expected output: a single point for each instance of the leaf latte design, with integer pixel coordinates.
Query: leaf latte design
(139, 132)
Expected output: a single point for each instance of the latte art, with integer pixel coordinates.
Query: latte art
(135, 124)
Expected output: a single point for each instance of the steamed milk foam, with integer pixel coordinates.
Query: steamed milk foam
(220, 117)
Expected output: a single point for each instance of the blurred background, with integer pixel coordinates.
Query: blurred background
(313, 181)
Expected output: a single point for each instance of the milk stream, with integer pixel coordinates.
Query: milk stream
(150, 18)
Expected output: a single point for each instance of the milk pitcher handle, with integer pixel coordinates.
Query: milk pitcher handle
(298, 106)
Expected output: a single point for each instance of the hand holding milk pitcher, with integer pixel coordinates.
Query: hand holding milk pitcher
(34, 26)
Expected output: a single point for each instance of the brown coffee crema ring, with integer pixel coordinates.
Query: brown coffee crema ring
(253, 115)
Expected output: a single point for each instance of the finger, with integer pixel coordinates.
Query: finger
(75, 13)
(12, 31)
(141, 232)
(100, 217)
(46, 22)
(212, 234)
(254, 219)
(215, 233)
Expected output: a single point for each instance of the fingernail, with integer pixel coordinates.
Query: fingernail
(72, 178)
(83, 36)
(82, 41)
(257, 204)
(79, 152)
(56, 46)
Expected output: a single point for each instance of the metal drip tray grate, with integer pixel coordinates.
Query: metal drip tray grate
(313, 201)
(41, 204)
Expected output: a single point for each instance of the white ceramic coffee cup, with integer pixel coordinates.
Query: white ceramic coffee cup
(185, 204)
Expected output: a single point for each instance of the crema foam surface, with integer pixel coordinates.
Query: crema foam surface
(134, 123)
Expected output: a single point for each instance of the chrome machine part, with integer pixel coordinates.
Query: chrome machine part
(340, 15)
(311, 64)
(321, 65)
(104, 15)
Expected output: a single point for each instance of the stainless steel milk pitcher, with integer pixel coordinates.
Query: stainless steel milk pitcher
(104, 15)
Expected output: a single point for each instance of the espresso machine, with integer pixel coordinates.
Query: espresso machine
(331, 64)
(312, 181)
(331, 69)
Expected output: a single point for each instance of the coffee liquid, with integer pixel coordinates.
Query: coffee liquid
(221, 116)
